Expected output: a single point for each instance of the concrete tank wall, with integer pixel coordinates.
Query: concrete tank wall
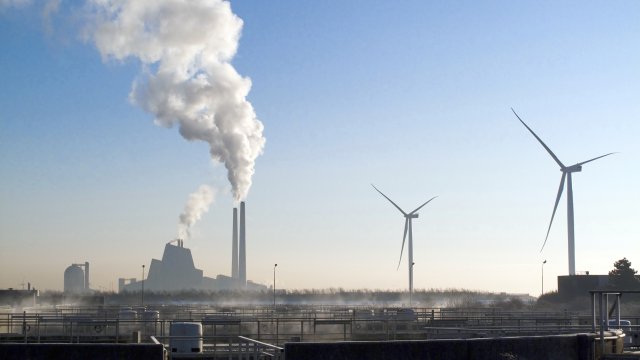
(82, 351)
(559, 347)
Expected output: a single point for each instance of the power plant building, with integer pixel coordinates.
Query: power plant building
(176, 271)
(19, 298)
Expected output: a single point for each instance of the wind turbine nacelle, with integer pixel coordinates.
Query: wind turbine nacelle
(413, 216)
(574, 168)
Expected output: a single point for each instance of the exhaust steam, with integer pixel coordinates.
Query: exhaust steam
(187, 80)
(197, 204)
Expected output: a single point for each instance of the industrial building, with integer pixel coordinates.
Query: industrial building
(573, 286)
(76, 280)
(19, 298)
(176, 270)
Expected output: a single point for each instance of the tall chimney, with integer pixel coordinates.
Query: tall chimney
(234, 251)
(86, 276)
(242, 271)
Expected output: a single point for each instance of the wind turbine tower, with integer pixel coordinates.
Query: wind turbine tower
(566, 175)
(408, 217)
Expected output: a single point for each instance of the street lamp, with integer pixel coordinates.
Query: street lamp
(411, 286)
(274, 286)
(544, 262)
(142, 292)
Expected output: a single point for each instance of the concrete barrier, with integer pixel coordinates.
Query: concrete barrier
(560, 347)
(81, 351)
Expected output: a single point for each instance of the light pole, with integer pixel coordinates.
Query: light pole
(411, 287)
(274, 286)
(142, 292)
(544, 262)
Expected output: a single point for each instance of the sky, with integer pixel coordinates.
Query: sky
(413, 96)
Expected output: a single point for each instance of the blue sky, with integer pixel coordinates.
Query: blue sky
(414, 97)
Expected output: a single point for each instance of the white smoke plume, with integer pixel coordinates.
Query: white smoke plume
(197, 204)
(186, 47)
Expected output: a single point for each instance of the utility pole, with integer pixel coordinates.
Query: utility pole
(274, 286)
(544, 262)
(142, 292)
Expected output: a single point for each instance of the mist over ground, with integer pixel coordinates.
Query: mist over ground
(433, 298)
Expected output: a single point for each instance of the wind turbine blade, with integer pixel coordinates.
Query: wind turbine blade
(385, 196)
(555, 207)
(540, 140)
(584, 162)
(406, 226)
(420, 207)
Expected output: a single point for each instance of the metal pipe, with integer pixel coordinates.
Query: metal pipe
(618, 309)
(606, 311)
(602, 316)
(593, 312)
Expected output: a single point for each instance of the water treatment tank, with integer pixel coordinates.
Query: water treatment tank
(73, 279)
(151, 315)
(191, 344)
(127, 315)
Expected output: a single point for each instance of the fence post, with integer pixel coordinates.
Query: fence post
(24, 325)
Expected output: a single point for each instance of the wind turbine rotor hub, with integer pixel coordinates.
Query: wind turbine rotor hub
(572, 169)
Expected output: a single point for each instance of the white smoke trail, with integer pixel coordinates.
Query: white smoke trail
(186, 47)
(197, 204)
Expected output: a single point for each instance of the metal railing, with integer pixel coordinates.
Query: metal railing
(290, 323)
(234, 347)
(254, 349)
(600, 317)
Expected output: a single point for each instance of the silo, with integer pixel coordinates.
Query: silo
(74, 279)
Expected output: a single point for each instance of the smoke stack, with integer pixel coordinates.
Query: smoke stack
(86, 276)
(234, 251)
(242, 271)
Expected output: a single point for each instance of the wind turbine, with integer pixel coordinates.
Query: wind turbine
(566, 175)
(407, 228)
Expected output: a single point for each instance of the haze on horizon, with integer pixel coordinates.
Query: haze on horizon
(413, 97)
